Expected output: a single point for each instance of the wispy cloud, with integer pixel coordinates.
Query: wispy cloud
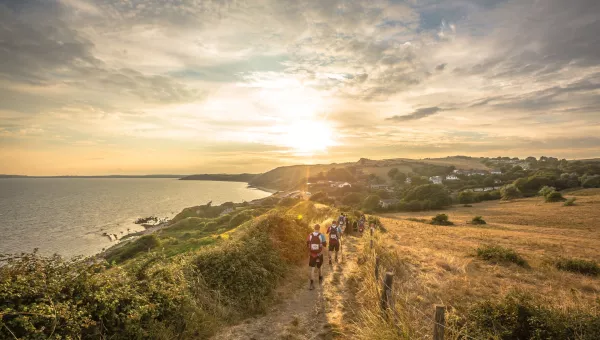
(418, 114)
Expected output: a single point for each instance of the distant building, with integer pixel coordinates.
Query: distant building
(388, 203)
(436, 179)
(452, 178)
(379, 186)
(345, 185)
(496, 172)
(408, 180)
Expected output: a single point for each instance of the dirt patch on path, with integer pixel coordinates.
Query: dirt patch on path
(305, 314)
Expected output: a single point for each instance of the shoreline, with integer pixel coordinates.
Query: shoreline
(271, 191)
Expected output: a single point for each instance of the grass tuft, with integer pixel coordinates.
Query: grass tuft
(499, 254)
(478, 220)
(585, 267)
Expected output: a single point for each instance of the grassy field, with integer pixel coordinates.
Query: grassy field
(439, 264)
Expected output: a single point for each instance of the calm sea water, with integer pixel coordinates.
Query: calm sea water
(69, 215)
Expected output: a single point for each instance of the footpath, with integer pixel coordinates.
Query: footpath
(306, 314)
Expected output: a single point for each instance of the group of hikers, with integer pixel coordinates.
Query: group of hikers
(317, 242)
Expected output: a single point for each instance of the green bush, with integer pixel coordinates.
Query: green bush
(580, 266)
(371, 202)
(554, 196)
(436, 194)
(478, 220)
(570, 202)
(240, 218)
(510, 192)
(352, 198)
(499, 254)
(519, 316)
(54, 298)
(142, 245)
(546, 190)
(441, 219)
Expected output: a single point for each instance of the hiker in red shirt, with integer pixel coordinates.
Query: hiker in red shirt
(316, 242)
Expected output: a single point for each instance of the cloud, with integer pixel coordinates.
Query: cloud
(418, 114)
(178, 73)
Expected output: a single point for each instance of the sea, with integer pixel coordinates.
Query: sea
(68, 216)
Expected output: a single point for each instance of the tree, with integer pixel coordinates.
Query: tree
(466, 197)
(591, 182)
(371, 202)
(319, 196)
(352, 198)
(392, 173)
(383, 194)
(489, 181)
(434, 193)
(510, 192)
(400, 177)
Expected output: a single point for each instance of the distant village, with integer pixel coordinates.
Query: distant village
(381, 185)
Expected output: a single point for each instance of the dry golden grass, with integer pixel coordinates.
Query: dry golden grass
(437, 263)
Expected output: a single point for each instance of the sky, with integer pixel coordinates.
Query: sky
(199, 86)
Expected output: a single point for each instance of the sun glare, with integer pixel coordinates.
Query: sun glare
(308, 137)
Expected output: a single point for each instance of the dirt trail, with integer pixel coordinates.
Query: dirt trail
(305, 314)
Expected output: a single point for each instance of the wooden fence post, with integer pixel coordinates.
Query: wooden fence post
(377, 268)
(371, 244)
(386, 292)
(440, 322)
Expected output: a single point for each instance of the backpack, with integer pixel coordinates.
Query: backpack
(315, 244)
(333, 234)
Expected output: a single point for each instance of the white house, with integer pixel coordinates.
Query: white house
(408, 180)
(452, 178)
(345, 185)
(436, 179)
(388, 202)
(496, 172)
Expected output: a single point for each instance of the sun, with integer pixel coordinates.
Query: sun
(308, 137)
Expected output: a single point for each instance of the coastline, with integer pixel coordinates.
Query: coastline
(151, 229)
(271, 191)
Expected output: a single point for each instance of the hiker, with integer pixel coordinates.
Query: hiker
(355, 226)
(341, 218)
(335, 237)
(316, 242)
(361, 225)
(372, 228)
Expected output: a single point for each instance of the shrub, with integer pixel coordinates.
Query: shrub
(546, 190)
(466, 197)
(436, 194)
(499, 254)
(554, 196)
(519, 316)
(441, 219)
(510, 192)
(570, 202)
(591, 182)
(371, 202)
(478, 220)
(240, 218)
(288, 201)
(580, 266)
(352, 198)
(131, 250)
